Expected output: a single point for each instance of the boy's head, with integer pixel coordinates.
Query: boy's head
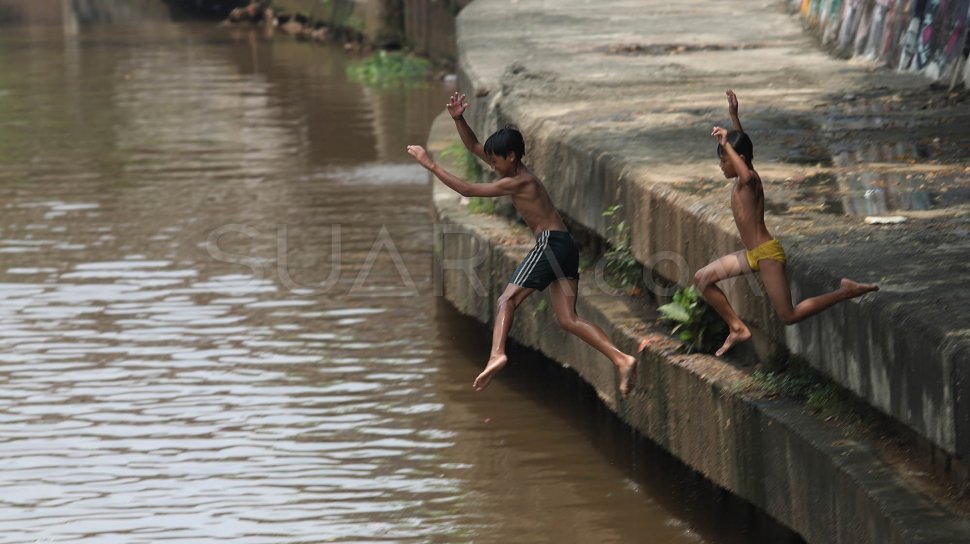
(504, 149)
(742, 146)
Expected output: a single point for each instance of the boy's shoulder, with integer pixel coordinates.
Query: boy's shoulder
(522, 179)
(527, 177)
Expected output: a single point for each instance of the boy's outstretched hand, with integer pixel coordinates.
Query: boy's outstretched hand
(456, 105)
(732, 102)
(421, 156)
(720, 134)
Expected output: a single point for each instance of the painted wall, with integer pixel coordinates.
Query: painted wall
(924, 36)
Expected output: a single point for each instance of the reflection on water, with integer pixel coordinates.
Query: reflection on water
(203, 338)
(880, 193)
(71, 13)
(877, 173)
(867, 190)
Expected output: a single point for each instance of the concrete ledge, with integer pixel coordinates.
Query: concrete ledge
(605, 128)
(825, 486)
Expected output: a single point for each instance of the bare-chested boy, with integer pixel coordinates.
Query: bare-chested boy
(763, 252)
(553, 261)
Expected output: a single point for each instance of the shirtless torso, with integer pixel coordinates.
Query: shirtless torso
(748, 208)
(532, 202)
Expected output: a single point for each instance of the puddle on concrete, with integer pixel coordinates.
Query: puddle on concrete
(855, 192)
(868, 191)
(879, 193)
(865, 192)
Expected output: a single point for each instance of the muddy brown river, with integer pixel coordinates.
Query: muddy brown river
(217, 321)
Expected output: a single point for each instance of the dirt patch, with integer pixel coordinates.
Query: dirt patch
(660, 49)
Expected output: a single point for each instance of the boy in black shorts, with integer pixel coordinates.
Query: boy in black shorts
(554, 261)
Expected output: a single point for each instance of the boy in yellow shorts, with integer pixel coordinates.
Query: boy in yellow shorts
(763, 254)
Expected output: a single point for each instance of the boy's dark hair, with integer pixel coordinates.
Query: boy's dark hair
(741, 143)
(504, 142)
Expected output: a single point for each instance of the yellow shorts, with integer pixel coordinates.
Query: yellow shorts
(769, 250)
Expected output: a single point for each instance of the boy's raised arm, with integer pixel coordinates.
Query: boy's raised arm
(502, 187)
(456, 109)
(733, 110)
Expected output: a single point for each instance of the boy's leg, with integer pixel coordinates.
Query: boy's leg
(504, 312)
(775, 278)
(563, 293)
(729, 266)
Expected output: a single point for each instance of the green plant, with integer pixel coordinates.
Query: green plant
(484, 205)
(383, 68)
(696, 322)
(464, 160)
(467, 163)
(795, 383)
(621, 266)
(354, 23)
(801, 383)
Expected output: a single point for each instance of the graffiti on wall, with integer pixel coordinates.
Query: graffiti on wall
(928, 37)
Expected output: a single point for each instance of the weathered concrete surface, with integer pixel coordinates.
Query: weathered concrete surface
(804, 473)
(617, 98)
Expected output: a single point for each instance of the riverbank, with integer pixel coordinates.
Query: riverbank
(422, 27)
(616, 105)
(617, 102)
(713, 415)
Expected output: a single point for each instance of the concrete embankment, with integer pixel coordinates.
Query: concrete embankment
(617, 99)
(800, 470)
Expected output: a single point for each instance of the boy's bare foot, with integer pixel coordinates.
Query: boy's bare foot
(857, 289)
(643, 344)
(736, 337)
(628, 373)
(495, 363)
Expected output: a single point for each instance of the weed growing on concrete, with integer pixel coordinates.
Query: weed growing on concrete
(467, 164)
(384, 69)
(697, 324)
(621, 266)
(463, 159)
(795, 383)
(820, 395)
(481, 205)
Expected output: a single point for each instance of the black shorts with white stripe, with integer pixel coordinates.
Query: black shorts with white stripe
(554, 257)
